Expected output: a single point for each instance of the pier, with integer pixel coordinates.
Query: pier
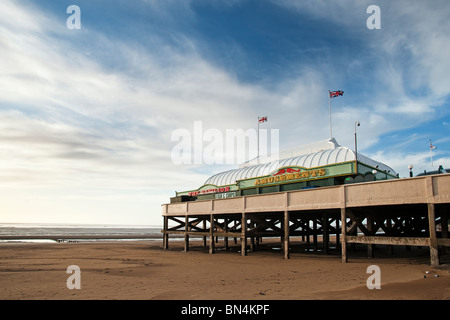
(399, 212)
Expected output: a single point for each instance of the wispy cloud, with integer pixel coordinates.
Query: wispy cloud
(71, 125)
(89, 115)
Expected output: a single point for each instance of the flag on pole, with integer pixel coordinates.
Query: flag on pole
(431, 146)
(260, 120)
(331, 95)
(431, 153)
(334, 94)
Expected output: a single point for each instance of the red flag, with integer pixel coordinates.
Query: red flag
(262, 119)
(334, 94)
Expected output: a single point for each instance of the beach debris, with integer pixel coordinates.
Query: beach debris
(430, 272)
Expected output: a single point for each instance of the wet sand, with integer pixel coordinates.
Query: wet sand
(144, 271)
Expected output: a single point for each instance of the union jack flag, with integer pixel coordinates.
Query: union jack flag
(334, 94)
(262, 119)
(431, 146)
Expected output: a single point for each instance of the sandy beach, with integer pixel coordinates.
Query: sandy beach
(144, 271)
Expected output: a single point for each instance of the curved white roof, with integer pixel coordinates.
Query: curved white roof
(317, 159)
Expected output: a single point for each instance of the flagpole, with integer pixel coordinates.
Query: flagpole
(431, 154)
(329, 111)
(257, 156)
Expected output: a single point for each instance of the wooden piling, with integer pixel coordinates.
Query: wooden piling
(286, 235)
(204, 228)
(434, 252)
(325, 233)
(225, 240)
(186, 233)
(343, 235)
(211, 235)
(370, 246)
(165, 234)
(243, 235)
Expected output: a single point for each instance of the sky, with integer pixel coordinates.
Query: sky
(87, 114)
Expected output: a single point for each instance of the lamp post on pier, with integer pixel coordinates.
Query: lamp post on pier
(357, 124)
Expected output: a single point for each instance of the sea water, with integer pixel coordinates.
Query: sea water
(28, 230)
